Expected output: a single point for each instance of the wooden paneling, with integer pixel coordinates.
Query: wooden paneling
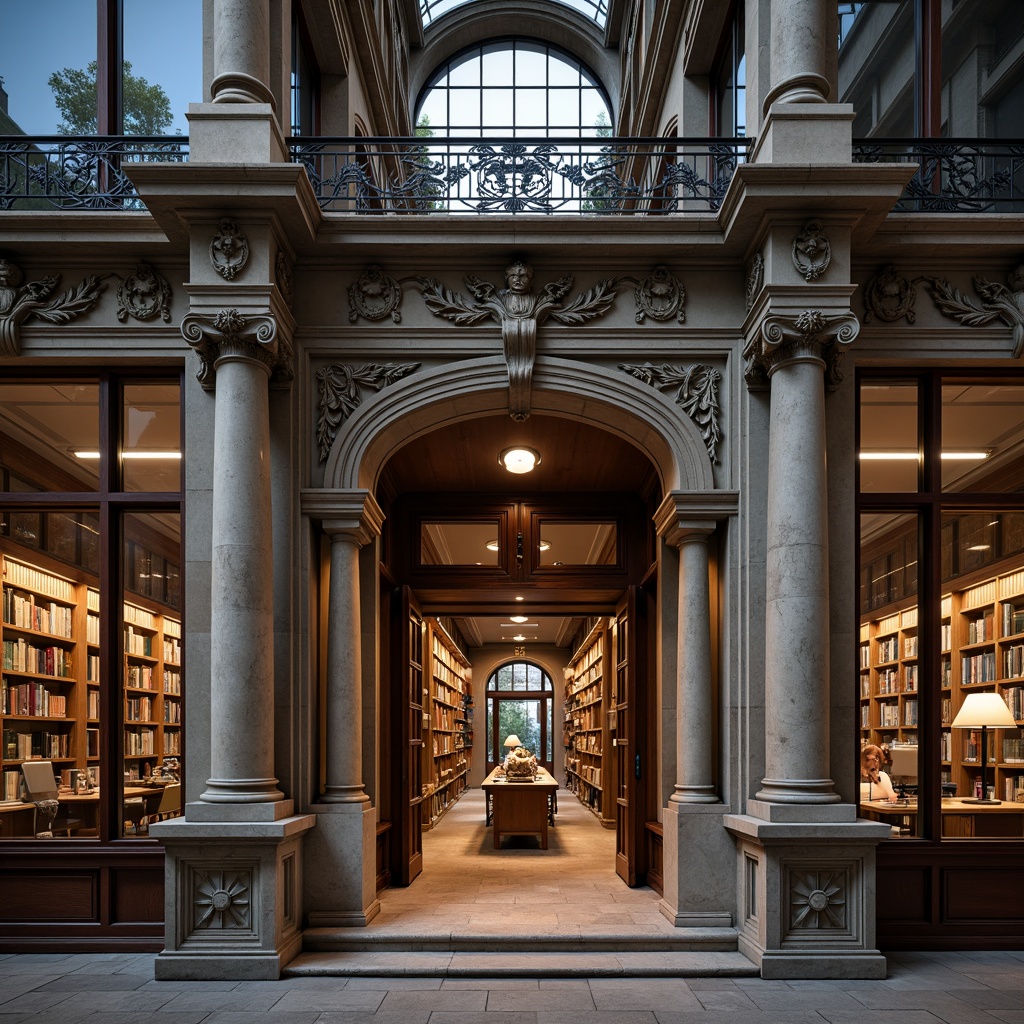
(971, 894)
(49, 897)
(138, 896)
(902, 894)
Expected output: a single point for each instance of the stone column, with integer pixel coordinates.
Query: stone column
(800, 52)
(239, 354)
(241, 52)
(794, 354)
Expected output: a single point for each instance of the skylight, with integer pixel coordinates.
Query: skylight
(597, 10)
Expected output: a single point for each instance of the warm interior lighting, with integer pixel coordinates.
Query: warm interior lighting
(132, 455)
(517, 618)
(545, 545)
(913, 456)
(519, 460)
(519, 598)
(512, 740)
(983, 711)
(492, 545)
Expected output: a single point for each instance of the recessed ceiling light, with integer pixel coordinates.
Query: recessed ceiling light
(492, 545)
(519, 636)
(519, 459)
(518, 618)
(519, 598)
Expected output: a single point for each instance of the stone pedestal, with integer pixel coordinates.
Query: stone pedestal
(807, 897)
(341, 857)
(233, 898)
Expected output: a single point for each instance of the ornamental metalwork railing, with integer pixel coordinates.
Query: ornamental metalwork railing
(425, 175)
(954, 175)
(79, 172)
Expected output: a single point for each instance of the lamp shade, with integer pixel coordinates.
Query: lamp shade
(984, 709)
(513, 741)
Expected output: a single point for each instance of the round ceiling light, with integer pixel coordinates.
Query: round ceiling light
(518, 618)
(492, 545)
(519, 460)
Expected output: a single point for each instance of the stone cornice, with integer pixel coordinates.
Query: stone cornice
(347, 512)
(687, 512)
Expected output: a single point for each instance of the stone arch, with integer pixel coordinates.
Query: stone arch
(607, 398)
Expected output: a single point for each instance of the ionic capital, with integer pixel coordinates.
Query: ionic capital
(230, 334)
(809, 336)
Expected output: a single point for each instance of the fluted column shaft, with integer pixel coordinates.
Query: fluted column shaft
(344, 712)
(241, 52)
(695, 724)
(241, 619)
(797, 598)
(800, 60)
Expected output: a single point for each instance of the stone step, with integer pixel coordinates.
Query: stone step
(515, 963)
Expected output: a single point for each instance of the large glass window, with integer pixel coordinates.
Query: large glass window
(520, 704)
(90, 541)
(941, 595)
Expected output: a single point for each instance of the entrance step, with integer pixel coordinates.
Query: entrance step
(512, 963)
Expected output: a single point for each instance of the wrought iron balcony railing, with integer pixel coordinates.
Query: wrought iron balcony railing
(519, 175)
(954, 175)
(79, 172)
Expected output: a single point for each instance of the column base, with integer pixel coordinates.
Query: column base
(232, 898)
(806, 133)
(806, 897)
(341, 867)
(700, 889)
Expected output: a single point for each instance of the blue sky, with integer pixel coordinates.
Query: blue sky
(162, 41)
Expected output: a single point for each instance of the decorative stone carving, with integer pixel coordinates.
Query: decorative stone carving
(283, 277)
(374, 295)
(696, 394)
(340, 394)
(1001, 302)
(221, 900)
(144, 295)
(660, 296)
(811, 251)
(19, 302)
(890, 297)
(229, 250)
(519, 312)
(809, 334)
(817, 900)
(755, 279)
(227, 331)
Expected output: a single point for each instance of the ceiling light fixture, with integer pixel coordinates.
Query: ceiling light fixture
(132, 455)
(891, 456)
(519, 459)
(518, 618)
(492, 545)
(519, 636)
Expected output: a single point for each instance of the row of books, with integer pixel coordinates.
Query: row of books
(24, 612)
(21, 656)
(140, 741)
(32, 699)
(139, 709)
(137, 643)
(21, 575)
(981, 628)
(24, 746)
(1013, 619)
(12, 785)
(978, 668)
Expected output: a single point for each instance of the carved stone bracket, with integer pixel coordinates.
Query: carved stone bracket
(229, 250)
(890, 297)
(19, 302)
(1003, 302)
(696, 394)
(519, 312)
(373, 296)
(660, 296)
(144, 295)
(811, 251)
(230, 333)
(340, 394)
(808, 335)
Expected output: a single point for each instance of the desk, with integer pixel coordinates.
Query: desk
(17, 819)
(960, 819)
(520, 808)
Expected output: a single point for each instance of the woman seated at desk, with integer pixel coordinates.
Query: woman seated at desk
(874, 783)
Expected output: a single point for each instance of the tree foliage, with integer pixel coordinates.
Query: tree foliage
(147, 110)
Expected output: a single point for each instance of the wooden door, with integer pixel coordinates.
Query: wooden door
(408, 684)
(628, 713)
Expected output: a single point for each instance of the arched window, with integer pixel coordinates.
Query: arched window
(513, 87)
(520, 701)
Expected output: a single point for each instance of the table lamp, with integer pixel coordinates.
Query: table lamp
(983, 711)
(511, 742)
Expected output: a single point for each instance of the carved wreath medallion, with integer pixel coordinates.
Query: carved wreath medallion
(144, 295)
(660, 296)
(889, 296)
(811, 251)
(229, 250)
(373, 296)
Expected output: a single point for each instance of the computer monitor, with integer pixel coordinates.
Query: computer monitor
(903, 770)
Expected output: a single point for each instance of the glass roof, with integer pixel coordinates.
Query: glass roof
(597, 10)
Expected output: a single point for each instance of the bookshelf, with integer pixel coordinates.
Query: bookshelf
(51, 696)
(587, 739)
(448, 732)
(981, 650)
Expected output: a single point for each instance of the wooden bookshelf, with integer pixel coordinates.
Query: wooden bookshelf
(588, 769)
(448, 736)
(981, 650)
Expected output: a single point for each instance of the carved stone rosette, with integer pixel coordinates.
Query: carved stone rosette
(890, 297)
(808, 335)
(373, 296)
(228, 332)
(817, 899)
(19, 302)
(696, 394)
(340, 394)
(811, 251)
(144, 295)
(660, 296)
(222, 900)
(229, 250)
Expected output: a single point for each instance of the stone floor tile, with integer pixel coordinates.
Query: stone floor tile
(489, 983)
(596, 1017)
(323, 1000)
(731, 1017)
(1008, 1016)
(371, 1017)
(643, 994)
(443, 1000)
(482, 1017)
(725, 999)
(81, 981)
(550, 997)
(136, 1017)
(878, 1016)
(791, 999)
(211, 1000)
(268, 1017)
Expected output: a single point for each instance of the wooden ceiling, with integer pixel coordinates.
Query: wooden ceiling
(575, 456)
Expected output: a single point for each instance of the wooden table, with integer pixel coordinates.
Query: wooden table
(520, 808)
(959, 818)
